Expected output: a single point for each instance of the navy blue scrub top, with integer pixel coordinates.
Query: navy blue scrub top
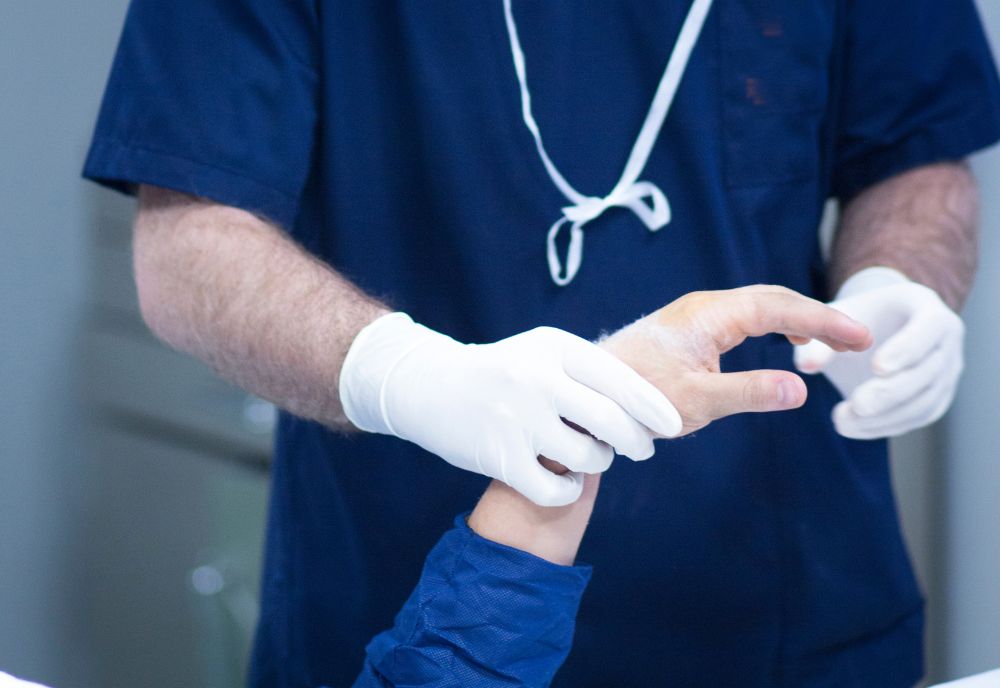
(386, 137)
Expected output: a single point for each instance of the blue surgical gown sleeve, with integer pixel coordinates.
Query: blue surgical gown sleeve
(483, 614)
(917, 85)
(216, 98)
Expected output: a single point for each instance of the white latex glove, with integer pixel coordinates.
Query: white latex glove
(908, 378)
(494, 408)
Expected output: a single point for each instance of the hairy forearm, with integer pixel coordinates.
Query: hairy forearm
(923, 223)
(237, 293)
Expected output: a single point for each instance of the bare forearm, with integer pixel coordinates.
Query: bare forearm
(237, 293)
(923, 223)
(506, 516)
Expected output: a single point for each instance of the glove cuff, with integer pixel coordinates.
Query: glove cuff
(374, 353)
(869, 279)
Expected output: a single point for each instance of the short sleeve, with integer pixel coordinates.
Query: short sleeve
(918, 85)
(216, 98)
(483, 614)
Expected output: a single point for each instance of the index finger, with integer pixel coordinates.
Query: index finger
(758, 312)
(593, 367)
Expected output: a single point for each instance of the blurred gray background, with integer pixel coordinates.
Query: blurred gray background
(133, 483)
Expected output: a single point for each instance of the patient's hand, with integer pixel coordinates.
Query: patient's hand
(677, 348)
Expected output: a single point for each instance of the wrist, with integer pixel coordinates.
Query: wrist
(552, 533)
(375, 352)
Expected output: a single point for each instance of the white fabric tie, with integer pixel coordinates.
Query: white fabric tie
(643, 198)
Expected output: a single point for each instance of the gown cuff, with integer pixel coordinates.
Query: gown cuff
(482, 614)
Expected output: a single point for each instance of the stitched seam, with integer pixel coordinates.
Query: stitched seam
(863, 160)
(217, 168)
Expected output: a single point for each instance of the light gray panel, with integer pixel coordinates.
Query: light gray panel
(154, 515)
(972, 488)
(54, 58)
(135, 376)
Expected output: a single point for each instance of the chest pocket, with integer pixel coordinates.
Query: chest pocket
(774, 82)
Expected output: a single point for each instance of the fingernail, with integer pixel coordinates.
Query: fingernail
(786, 394)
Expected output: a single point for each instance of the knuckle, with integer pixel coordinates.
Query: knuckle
(754, 395)
(518, 377)
(752, 308)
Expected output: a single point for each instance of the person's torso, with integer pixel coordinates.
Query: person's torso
(751, 551)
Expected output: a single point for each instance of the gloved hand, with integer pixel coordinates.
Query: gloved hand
(677, 348)
(908, 379)
(494, 408)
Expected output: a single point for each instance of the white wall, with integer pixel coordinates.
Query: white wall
(54, 57)
(971, 488)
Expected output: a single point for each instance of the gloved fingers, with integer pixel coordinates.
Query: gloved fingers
(576, 451)
(756, 391)
(592, 366)
(925, 408)
(763, 312)
(545, 488)
(880, 395)
(813, 357)
(604, 419)
(916, 339)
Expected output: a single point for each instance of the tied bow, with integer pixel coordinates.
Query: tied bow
(629, 192)
(655, 215)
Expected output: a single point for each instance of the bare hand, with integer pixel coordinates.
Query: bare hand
(678, 347)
